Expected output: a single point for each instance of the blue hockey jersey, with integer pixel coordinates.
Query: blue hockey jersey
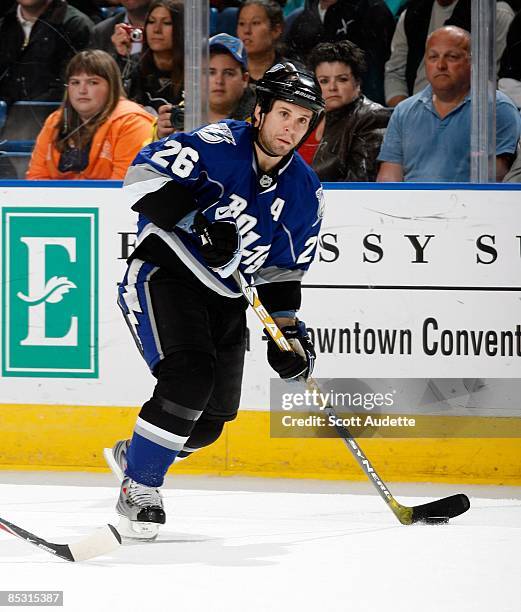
(278, 216)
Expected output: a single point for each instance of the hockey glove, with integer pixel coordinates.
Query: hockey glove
(220, 241)
(300, 362)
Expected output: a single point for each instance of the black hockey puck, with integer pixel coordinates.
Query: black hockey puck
(436, 520)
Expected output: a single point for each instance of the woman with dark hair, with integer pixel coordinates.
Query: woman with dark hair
(369, 24)
(158, 76)
(354, 126)
(96, 132)
(259, 25)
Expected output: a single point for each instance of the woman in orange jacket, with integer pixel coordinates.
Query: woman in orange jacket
(96, 132)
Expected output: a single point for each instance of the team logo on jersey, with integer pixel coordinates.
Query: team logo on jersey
(215, 133)
(265, 180)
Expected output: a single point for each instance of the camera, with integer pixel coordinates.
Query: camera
(177, 117)
(136, 34)
(73, 160)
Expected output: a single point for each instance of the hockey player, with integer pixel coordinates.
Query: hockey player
(228, 195)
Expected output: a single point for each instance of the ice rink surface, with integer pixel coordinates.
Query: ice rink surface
(235, 544)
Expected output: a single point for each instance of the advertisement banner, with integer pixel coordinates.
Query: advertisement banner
(50, 257)
(406, 284)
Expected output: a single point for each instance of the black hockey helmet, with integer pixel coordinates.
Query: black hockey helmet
(284, 81)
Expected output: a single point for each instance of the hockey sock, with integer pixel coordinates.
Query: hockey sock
(148, 462)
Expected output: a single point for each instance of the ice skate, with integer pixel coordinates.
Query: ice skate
(141, 510)
(140, 507)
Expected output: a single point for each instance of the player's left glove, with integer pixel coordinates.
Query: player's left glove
(296, 364)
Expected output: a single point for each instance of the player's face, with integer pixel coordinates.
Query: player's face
(226, 83)
(339, 87)
(447, 62)
(283, 127)
(158, 30)
(255, 30)
(88, 94)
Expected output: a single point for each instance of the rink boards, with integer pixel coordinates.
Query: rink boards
(416, 283)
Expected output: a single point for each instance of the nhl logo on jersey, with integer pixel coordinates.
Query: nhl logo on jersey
(215, 133)
(265, 180)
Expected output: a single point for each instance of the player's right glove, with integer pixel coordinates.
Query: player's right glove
(296, 364)
(220, 241)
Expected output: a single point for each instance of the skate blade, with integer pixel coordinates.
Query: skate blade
(137, 530)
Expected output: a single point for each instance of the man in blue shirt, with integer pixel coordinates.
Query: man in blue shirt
(428, 136)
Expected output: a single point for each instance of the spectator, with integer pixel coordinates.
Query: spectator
(37, 39)
(229, 96)
(96, 133)
(369, 24)
(112, 36)
(510, 69)
(91, 8)
(428, 138)
(405, 70)
(259, 26)
(307, 29)
(354, 125)
(157, 78)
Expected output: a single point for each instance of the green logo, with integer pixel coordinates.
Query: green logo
(50, 289)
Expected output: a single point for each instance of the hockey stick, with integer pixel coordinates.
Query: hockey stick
(438, 511)
(100, 542)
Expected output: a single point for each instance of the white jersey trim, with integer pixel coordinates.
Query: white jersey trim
(195, 266)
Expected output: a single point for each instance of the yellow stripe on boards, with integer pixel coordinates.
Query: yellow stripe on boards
(73, 437)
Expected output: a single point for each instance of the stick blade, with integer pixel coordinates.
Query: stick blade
(447, 507)
(59, 550)
(101, 542)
